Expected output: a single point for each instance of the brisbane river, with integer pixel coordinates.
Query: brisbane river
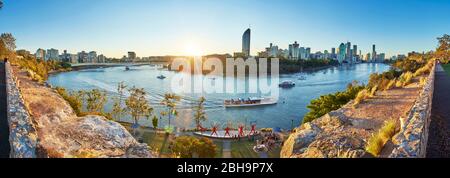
(291, 106)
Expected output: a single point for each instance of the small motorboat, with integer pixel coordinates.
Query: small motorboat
(287, 84)
(127, 68)
(161, 77)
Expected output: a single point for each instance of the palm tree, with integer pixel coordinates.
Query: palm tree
(170, 101)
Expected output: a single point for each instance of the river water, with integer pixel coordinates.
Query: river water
(289, 111)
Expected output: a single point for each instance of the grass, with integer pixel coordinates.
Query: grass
(362, 95)
(446, 68)
(376, 143)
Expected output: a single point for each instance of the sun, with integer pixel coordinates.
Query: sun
(192, 49)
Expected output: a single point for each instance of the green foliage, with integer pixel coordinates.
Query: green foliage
(443, 51)
(137, 104)
(289, 66)
(74, 99)
(118, 110)
(8, 40)
(170, 102)
(95, 100)
(378, 140)
(188, 147)
(327, 103)
(155, 122)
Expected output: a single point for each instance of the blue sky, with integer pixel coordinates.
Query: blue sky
(180, 27)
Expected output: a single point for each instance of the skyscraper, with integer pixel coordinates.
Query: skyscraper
(349, 52)
(341, 53)
(355, 50)
(374, 53)
(246, 42)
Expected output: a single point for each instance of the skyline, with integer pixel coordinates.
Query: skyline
(174, 27)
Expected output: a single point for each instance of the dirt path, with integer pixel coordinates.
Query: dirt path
(439, 131)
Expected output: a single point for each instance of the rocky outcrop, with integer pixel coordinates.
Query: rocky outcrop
(412, 140)
(59, 133)
(330, 136)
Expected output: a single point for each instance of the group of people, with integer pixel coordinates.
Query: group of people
(270, 140)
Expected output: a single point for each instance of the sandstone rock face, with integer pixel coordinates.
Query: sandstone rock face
(59, 133)
(326, 137)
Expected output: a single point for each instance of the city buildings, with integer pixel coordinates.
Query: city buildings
(246, 37)
(40, 54)
(52, 54)
(131, 55)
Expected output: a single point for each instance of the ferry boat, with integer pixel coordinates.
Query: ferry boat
(249, 102)
(287, 84)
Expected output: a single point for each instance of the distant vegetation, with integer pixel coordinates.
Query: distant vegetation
(291, 66)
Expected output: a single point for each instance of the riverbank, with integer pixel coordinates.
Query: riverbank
(60, 133)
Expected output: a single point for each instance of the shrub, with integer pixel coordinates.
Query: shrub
(404, 79)
(188, 146)
(390, 84)
(373, 91)
(362, 95)
(73, 99)
(378, 140)
(423, 81)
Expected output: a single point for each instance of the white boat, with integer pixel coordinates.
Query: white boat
(287, 84)
(249, 102)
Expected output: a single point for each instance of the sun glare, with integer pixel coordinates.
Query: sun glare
(192, 49)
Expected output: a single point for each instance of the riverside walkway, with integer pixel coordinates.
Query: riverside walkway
(4, 127)
(439, 131)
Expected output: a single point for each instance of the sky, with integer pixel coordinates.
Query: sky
(193, 27)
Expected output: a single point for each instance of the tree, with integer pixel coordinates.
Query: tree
(155, 122)
(137, 104)
(95, 100)
(443, 51)
(9, 41)
(170, 101)
(189, 147)
(199, 115)
(118, 110)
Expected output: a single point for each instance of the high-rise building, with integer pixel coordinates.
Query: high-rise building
(355, 50)
(52, 54)
(246, 42)
(40, 54)
(308, 53)
(272, 51)
(349, 52)
(92, 57)
(82, 57)
(374, 53)
(294, 51)
(131, 55)
(341, 53)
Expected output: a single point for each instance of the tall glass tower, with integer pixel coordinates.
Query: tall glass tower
(246, 42)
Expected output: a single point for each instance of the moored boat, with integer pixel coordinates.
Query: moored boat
(287, 84)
